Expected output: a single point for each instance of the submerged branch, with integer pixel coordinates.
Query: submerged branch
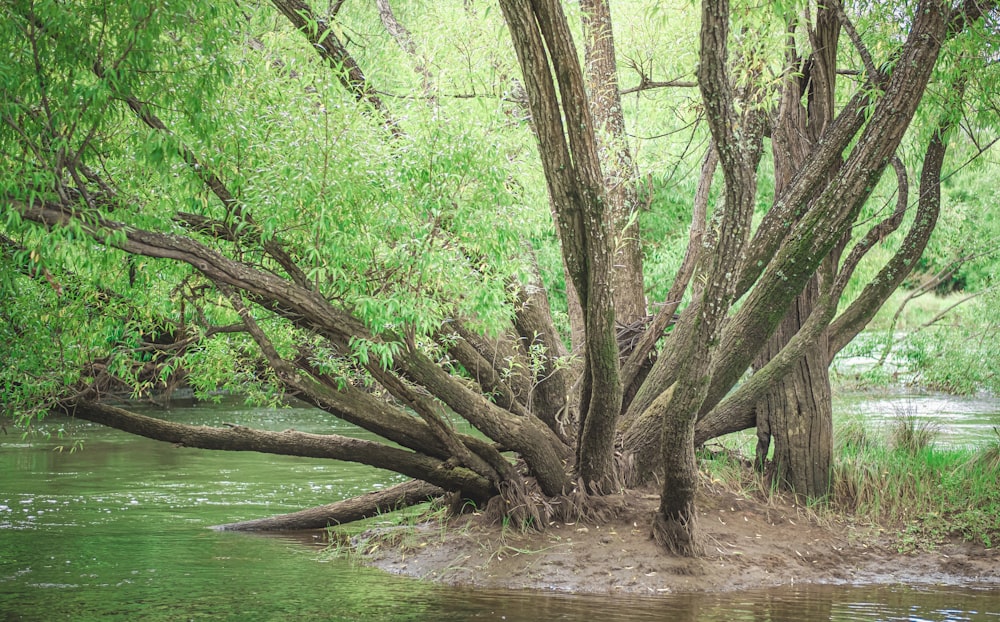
(365, 506)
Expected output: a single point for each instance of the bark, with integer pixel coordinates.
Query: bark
(797, 414)
(403, 37)
(358, 508)
(817, 227)
(541, 449)
(644, 349)
(565, 130)
(641, 435)
(738, 139)
(601, 74)
(495, 365)
(675, 522)
(549, 397)
(737, 412)
(829, 216)
(891, 276)
(538, 445)
(287, 443)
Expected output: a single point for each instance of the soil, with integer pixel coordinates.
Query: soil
(748, 544)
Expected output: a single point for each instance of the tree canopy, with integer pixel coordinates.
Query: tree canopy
(574, 233)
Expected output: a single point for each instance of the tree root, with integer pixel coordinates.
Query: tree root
(678, 535)
(522, 504)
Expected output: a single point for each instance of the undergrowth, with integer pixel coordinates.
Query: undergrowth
(896, 479)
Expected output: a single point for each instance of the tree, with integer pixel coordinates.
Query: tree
(195, 195)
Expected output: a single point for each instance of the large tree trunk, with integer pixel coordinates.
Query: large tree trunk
(797, 414)
(569, 153)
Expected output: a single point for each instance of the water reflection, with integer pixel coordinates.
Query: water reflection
(119, 531)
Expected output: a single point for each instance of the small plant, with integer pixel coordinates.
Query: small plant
(911, 434)
(926, 495)
(853, 436)
(988, 457)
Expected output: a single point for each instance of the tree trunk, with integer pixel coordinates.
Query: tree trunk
(568, 148)
(798, 412)
(738, 138)
(601, 74)
(675, 522)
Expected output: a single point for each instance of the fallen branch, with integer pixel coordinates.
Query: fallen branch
(365, 506)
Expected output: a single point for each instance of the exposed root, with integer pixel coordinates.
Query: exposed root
(581, 506)
(520, 503)
(625, 467)
(678, 535)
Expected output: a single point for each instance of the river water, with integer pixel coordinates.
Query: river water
(119, 531)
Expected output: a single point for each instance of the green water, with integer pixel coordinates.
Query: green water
(119, 531)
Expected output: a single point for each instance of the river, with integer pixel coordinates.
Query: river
(118, 530)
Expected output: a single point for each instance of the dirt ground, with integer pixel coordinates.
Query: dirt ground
(749, 544)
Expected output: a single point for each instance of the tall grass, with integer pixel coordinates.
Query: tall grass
(895, 478)
(901, 481)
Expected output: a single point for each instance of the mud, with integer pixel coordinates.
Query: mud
(748, 544)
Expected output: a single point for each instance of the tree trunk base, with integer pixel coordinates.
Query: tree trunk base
(678, 535)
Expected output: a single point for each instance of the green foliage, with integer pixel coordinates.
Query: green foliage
(940, 342)
(404, 232)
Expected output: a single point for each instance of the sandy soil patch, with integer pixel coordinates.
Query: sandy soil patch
(749, 544)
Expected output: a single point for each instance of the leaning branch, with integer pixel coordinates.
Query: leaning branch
(665, 316)
(861, 311)
(287, 443)
(329, 46)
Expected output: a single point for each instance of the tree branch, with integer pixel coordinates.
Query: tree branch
(350, 510)
(325, 41)
(288, 443)
(665, 316)
(863, 309)
(646, 85)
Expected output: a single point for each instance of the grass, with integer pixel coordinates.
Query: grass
(403, 529)
(894, 478)
(901, 481)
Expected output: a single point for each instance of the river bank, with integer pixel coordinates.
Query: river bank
(749, 543)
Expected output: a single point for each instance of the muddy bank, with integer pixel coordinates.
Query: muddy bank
(749, 544)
